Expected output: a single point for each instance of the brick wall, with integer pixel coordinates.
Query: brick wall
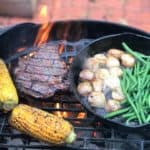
(135, 13)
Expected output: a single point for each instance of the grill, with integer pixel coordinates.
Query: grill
(91, 133)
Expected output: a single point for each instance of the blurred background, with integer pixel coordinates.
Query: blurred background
(134, 13)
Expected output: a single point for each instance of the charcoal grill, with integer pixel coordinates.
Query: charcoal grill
(91, 134)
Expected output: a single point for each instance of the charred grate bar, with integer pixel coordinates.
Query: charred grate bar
(91, 134)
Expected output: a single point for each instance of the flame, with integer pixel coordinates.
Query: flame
(59, 113)
(43, 34)
(65, 114)
(81, 115)
(64, 36)
(44, 11)
(61, 48)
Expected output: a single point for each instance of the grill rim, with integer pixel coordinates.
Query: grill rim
(85, 140)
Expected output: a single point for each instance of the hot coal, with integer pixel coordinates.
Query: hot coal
(42, 74)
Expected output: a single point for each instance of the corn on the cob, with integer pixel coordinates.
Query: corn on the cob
(42, 125)
(8, 93)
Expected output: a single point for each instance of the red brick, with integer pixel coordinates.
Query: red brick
(134, 12)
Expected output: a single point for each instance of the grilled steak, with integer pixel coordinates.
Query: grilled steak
(42, 74)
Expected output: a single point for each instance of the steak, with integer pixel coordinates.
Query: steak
(42, 74)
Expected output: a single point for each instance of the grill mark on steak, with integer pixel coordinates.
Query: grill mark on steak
(43, 74)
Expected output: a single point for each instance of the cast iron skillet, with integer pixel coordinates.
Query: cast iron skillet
(137, 42)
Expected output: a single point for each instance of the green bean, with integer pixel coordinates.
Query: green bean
(128, 115)
(131, 118)
(148, 99)
(135, 109)
(137, 56)
(115, 113)
(136, 89)
(148, 119)
(142, 55)
(145, 96)
(142, 114)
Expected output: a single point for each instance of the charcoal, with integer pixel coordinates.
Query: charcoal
(43, 74)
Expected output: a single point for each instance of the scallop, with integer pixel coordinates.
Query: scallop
(112, 82)
(91, 64)
(102, 73)
(115, 52)
(116, 71)
(86, 74)
(118, 94)
(84, 88)
(112, 62)
(101, 58)
(127, 60)
(97, 99)
(112, 105)
(97, 85)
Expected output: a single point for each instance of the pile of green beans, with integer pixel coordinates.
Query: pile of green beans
(135, 84)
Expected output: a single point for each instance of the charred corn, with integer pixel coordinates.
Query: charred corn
(42, 125)
(8, 93)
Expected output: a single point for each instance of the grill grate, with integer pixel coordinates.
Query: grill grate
(91, 134)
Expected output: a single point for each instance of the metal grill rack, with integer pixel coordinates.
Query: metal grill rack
(91, 134)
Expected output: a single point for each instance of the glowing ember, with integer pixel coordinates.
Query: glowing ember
(94, 134)
(81, 115)
(21, 49)
(59, 113)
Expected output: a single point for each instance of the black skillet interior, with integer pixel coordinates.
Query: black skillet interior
(136, 42)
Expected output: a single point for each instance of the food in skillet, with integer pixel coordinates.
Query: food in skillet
(8, 93)
(100, 79)
(42, 125)
(120, 84)
(42, 74)
(135, 84)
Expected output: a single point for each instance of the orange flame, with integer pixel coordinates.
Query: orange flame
(44, 11)
(81, 115)
(43, 34)
(59, 113)
(61, 48)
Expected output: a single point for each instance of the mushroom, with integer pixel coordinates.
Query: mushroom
(84, 88)
(101, 58)
(115, 52)
(91, 64)
(112, 62)
(102, 73)
(97, 85)
(112, 82)
(127, 60)
(116, 71)
(112, 105)
(118, 94)
(86, 74)
(97, 99)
